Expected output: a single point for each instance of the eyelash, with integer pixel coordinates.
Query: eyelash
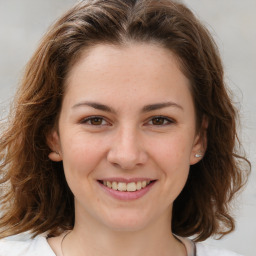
(166, 120)
(90, 119)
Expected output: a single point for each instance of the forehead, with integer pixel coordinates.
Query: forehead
(132, 59)
(133, 71)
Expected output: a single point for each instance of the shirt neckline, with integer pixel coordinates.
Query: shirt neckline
(189, 245)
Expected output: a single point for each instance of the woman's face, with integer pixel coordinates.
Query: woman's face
(127, 135)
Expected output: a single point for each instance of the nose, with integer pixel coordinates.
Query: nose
(127, 150)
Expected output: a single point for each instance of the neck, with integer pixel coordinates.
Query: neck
(92, 238)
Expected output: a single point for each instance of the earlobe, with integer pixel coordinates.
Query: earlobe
(200, 144)
(53, 142)
(197, 152)
(55, 156)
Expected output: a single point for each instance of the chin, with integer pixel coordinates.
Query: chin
(126, 223)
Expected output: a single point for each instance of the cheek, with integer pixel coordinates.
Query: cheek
(173, 158)
(173, 150)
(81, 155)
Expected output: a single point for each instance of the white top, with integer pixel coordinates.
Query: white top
(23, 245)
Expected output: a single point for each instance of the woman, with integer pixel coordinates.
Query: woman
(122, 138)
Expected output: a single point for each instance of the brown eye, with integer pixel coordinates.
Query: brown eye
(159, 120)
(96, 121)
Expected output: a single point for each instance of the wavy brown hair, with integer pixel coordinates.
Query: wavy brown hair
(34, 194)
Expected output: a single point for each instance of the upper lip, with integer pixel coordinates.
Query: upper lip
(126, 180)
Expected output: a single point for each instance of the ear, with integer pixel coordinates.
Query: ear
(53, 142)
(200, 143)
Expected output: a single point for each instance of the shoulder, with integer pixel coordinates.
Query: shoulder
(207, 250)
(202, 249)
(24, 245)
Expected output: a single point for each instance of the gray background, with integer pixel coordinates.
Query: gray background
(232, 22)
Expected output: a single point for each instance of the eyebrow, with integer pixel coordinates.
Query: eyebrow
(157, 106)
(95, 105)
(147, 108)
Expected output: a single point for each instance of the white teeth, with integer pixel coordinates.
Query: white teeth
(114, 185)
(122, 186)
(131, 187)
(109, 184)
(138, 185)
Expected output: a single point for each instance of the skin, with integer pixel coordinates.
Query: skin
(126, 142)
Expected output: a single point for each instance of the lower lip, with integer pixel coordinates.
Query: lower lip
(121, 195)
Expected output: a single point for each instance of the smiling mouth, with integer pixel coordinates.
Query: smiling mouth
(126, 187)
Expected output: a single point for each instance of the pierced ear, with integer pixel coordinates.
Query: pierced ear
(53, 142)
(200, 143)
